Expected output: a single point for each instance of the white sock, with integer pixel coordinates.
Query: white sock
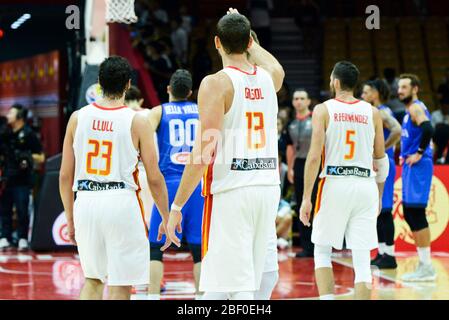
(269, 281)
(381, 248)
(154, 297)
(327, 297)
(215, 296)
(424, 255)
(243, 295)
(389, 250)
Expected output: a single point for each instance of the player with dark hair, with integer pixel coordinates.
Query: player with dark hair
(242, 179)
(102, 146)
(377, 93)
(347, 138)
(417, 171)
(175, 124)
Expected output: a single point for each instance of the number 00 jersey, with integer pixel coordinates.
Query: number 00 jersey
(176, 136)
(247, 154)
(105, 156)
(349, 140)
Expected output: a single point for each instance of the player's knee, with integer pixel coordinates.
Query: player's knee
(323, 256)
(155, 252)
(195, 249)
(416, 218)
(361, 261)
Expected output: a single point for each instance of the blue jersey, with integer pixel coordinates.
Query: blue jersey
(411, 134)
(176, 136)
(387, 132)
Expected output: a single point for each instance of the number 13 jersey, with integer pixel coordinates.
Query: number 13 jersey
(105, 156)
(349, 142)
(247, 149)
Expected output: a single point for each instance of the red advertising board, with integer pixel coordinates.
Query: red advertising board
(437, 213)
(34, 82)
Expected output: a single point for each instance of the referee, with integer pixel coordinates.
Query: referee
(298, 137)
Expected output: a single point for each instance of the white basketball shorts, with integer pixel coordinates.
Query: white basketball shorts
(346, 208)
(111, 237)
(239, 238)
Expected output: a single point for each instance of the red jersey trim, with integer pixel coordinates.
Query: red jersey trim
(354, 102)
(238, 69)
(108, 109)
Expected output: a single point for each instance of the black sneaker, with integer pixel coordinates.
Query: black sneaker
(387, 262)
(376, 260)
(304, 254)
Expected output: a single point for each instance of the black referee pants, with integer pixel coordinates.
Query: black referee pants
(305, 233)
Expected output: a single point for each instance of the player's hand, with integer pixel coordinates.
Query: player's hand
(414, 158)
(291, 176)
(305, 211)
(232, 10)
(401, 161)
(173, 225)
(163, 231)
(71, 233)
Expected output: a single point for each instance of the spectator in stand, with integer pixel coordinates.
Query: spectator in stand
(158, 13)
(394, 103)
(187, 19)
(168, 55)
(159, 69)
(307, 18)
(202, 62)
(440, 120)
(260, 20)
(179, 39)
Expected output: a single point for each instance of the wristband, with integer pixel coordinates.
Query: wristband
(174, 207)
(420, 151)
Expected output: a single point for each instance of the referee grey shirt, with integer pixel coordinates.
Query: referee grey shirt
(299, 134)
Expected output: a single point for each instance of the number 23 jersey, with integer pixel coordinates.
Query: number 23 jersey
(105, 156)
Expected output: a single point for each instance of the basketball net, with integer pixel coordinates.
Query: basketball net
(121, 11)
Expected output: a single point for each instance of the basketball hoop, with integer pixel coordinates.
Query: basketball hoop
(121, 11)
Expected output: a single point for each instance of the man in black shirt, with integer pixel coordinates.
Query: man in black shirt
(20, 150)
(299, 135)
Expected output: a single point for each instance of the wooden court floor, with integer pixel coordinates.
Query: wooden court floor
(59, 276)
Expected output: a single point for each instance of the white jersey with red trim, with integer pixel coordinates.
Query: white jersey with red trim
(349, 142)
(105, 156)
(247, 154)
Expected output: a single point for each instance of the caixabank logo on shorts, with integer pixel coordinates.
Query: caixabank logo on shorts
(254, 164)
(89, 185)
(348, 171)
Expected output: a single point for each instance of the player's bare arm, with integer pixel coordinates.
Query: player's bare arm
(319, 119)
(154, 116)
(390, 123)
(143, 130)
(419, 117)
(66, 175)
(213, 94)
(379, 151)
(266, 60)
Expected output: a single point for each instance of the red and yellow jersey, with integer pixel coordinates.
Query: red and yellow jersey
(349, 144)
(247, 150)
(105, 156)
